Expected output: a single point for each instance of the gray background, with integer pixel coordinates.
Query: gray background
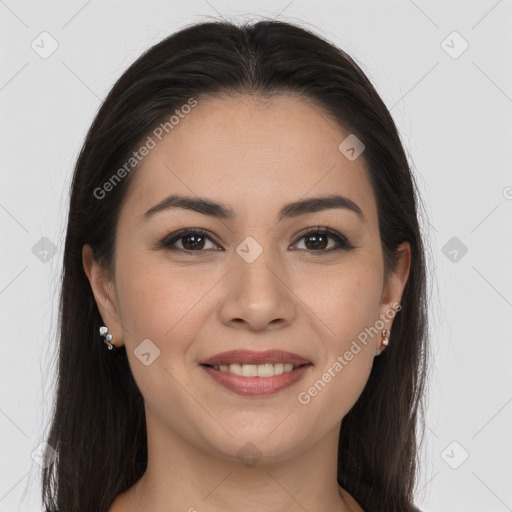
(453, 111)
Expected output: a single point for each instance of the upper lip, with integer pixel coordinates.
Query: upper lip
(252, 357)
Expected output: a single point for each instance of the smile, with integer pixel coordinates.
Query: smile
(256, 370)
(256, 380)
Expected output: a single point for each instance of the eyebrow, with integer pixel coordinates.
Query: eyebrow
(221, 211)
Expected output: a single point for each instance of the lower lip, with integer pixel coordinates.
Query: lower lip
(256, 386)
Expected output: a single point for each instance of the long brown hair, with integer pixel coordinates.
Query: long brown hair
(98, 426)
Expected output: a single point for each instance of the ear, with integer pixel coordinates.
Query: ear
(394, 285)
(104, 294)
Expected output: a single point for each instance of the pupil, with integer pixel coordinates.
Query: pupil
(316, 237)
(188, 237)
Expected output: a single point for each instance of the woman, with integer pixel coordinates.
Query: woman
(243, 316)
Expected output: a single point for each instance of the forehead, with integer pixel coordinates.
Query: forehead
(251, 154)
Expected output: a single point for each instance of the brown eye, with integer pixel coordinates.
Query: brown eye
(191, 241)
(317, 240)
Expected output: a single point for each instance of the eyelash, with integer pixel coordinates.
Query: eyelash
(343, 243)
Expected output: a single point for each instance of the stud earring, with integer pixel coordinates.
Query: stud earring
(385, 341)
(107, 337)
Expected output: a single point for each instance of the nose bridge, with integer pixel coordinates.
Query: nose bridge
(256, 267)
(256, 292)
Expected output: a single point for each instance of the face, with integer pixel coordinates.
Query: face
(252, 281)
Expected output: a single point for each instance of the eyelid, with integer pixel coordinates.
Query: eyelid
(342, 241)
(169, 240)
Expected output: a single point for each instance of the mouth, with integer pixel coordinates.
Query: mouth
(251, 373)
(255, 358)
(259, 370)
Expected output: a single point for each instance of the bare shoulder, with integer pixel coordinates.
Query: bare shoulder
(351, 502)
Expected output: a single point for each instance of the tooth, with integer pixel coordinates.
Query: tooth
(235, 368)
(265, 370)
(249, 370)
(278, 368)
(256, 370)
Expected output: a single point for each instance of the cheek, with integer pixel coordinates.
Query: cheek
(159, 303)
(346, 304)
(155, 296)
(345, 299)
(347, 347)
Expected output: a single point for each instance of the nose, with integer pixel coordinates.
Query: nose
(256, 295)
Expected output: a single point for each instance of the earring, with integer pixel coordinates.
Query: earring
(385, 341)
(107, 337)
(385, 335)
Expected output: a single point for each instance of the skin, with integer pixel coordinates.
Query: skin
(254, 156)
